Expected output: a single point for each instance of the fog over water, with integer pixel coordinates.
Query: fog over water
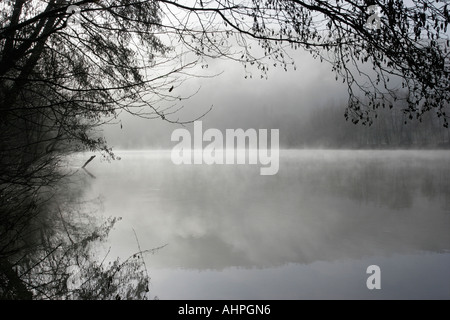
(319, 136)
(309, 231)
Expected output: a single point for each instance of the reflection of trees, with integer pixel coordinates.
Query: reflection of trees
(378, 181)
(217, 217)
(54, 255)
(386, 178)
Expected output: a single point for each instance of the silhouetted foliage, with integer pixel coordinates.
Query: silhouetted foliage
(100, 65)
(62, 75)
(58, 255)
(409, 49)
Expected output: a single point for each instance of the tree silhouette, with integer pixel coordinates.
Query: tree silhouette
(101, 64)
(409, 46)
(67, 67)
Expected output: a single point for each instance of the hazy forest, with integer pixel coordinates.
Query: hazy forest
(67, 68)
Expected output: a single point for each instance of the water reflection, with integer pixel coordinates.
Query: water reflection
(322, 205)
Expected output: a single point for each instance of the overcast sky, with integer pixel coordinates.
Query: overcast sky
(238, 102)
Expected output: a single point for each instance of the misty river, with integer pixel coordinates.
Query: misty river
(310, 231)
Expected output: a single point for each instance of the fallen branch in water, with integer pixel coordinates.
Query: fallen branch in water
(90, 159)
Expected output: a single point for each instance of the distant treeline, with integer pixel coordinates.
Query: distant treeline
(322, 127)
(327, 128)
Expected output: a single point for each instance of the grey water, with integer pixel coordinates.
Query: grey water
(308, 232)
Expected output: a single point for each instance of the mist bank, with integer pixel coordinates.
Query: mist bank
(324, 127)
(322, 205)
(327, 128)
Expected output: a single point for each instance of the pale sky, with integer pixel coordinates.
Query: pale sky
(238, 102)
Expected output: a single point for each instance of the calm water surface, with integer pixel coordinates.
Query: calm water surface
(310, 231)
